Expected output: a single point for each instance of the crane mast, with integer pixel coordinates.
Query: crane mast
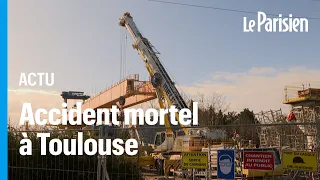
(160, 79)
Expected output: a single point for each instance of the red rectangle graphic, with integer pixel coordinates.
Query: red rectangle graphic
(258, 160)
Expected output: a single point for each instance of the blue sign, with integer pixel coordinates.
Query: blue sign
(225, 164)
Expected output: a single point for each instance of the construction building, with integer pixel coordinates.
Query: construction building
(305, 110)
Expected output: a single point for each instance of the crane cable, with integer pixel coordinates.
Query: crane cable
(124, 55)
(123, 46)
(124, 65)
(121, 55)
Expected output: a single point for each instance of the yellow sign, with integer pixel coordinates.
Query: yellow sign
(195, 160)
(300, 160)
(146, 161)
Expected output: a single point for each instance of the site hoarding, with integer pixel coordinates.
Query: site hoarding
(300, 160)
(195, 160)
(258, 160)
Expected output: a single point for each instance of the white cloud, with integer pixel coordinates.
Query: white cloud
(262, 71)
(38, 99)
(258, 89)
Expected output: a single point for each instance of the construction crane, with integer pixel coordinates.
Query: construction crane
(175, 136)
(170, 144)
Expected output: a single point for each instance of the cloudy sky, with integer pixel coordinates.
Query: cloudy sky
(204, 49)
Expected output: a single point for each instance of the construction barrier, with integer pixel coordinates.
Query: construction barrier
(283, 139)
(171, 165)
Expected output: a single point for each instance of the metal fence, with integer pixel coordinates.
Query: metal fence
(284, 136)
(63, 167)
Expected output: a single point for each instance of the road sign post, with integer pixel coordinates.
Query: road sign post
(226, 164)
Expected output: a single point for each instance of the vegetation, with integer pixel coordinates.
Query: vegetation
(213, 113)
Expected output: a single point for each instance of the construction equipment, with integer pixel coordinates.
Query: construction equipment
(128, 92)
(74, 95)
(168, 145)
(176, 138)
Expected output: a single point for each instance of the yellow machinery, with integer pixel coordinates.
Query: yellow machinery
(176, 138)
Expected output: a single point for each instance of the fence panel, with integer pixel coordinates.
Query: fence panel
(281, 137)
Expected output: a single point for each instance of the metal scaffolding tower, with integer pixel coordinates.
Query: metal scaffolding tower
(305, 103)
(270, 136)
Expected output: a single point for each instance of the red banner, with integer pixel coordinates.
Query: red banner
(258, 160)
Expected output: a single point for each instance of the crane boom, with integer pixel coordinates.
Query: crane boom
(165, 87)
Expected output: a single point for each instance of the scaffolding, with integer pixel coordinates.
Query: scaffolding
(306, 94)
(295, 137)
(305, 105)
(269, 136)
(305, 108)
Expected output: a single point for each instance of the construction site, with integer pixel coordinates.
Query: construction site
(264, 149)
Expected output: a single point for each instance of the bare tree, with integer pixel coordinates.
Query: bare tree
(216, 101)
(211, 109)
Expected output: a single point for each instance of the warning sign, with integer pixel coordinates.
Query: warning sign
(195, 160)
(300, 160)
(256, 160)
(146, 161)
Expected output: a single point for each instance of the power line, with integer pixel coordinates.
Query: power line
(225, 9)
